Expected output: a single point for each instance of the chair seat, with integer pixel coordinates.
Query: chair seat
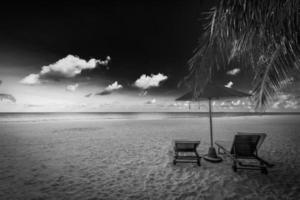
(187, 147)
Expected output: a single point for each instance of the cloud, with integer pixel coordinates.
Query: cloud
(293, 104)
(72, 88)
(31, 79)
(187, 104)
(0, 82)
(33, 105)
(145, 82)
(174, 104)
(114, 86)
(153, 101)
(229, 84)
(287, 81)
(286, 101)
(110, 88)
(70, 66)
(276, 104)
(67, 67)
(236, 103)
(7, 97)
(233, 72)
(143, 93)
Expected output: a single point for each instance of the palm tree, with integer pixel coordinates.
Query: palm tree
(262, 35)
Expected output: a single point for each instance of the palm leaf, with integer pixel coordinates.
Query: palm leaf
(261, 35)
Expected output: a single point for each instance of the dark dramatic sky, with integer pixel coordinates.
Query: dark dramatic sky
(141, 37)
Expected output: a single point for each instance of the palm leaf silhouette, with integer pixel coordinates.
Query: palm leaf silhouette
(260, 35)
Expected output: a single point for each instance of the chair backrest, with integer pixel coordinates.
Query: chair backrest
(261, 139)
(247, 144)
(186, 145)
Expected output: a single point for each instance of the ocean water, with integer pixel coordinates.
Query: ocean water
(54, 116)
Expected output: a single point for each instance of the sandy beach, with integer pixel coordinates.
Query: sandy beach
(132, 159)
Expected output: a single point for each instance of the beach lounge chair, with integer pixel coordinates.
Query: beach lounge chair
(245, 146)
(186, 152)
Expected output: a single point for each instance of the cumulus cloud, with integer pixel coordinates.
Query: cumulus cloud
(110, 88)
(145, 82)
(143, 93)
(175, 104)
(179, 104)
(187, 104)
(229, 84)
(31, 79)
(72, 88)
(233, 72)
(287, 81)
(236, 103)
(114, 86)
(293, 104)
(153, 101)
(7, 97)
(281, 100)
(67, 67)
(286, 101)
(276, 104)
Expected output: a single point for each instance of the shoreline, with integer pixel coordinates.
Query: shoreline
(66, 117)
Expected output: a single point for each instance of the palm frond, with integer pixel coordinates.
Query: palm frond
(262, 34)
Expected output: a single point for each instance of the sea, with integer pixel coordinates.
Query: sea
(54, 116)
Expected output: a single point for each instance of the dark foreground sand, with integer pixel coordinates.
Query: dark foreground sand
(132, 159)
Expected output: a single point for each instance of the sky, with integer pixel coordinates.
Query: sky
(109, 56)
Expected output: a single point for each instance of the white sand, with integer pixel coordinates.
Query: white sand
(132, 159)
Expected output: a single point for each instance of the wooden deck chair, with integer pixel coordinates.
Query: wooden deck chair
(245, 146)
(186, 152)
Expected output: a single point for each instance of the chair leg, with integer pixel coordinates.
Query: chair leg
(198, 158)
(264, 170)
(175, 157)
(234, 166)
(198, 162)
